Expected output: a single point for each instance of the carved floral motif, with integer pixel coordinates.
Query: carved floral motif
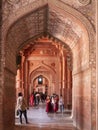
(13, 1)
(85, 2)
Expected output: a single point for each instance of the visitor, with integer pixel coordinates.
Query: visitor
(48, 104)
(61, 104)
(22, 107)
(56, 100)
(31, 100)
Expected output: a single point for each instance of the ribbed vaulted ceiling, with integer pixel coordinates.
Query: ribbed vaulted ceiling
(46, 20)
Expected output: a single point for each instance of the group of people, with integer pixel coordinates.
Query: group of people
(36, 97)
(53, 103)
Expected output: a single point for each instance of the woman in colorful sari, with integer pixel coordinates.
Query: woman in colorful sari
(48, 104)
(31, 101)
(56, 100)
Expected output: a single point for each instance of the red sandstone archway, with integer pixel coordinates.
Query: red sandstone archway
(40, 87)
(83, 63)
(48, 73)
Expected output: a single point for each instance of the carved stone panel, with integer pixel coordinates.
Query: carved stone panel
(85, 2)
(13, 1)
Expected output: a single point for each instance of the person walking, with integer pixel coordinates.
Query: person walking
(22, 107)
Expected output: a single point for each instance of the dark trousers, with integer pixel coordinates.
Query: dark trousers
(25, 115)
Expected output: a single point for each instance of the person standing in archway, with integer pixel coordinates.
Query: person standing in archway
(48, 104)
(22, 107)
(56, 100)
(31, 100)
(61, 103)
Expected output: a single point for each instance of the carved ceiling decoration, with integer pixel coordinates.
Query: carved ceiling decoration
(85, 2)
(64, 24)
(30, 26)
(41, 47)
(12, 2)
(14, 7)
(60, 28)
(46, 47)
(45, 21)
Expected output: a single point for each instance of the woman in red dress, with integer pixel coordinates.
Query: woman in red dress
(48, 104)
(56, 100)
(31, 100)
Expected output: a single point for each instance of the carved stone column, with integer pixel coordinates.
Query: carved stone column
(65, 83)
(62, 69)
(18, 82)
(97, 68)
(26, 89)
(69, 89)
(25, 76)
(60, 76)
(63, 74)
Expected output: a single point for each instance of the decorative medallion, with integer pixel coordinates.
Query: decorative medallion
(85, 2)
(13, 1)
(53, 64)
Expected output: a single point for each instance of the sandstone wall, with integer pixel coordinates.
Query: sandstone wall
(83, 76)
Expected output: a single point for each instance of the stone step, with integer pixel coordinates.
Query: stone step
(31, 127)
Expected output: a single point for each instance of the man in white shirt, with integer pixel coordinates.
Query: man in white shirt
(22, 107)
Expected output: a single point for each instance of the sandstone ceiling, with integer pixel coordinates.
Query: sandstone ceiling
(40, 48)
(46, 21)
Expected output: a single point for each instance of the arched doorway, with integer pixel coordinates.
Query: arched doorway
(40, 84)
(50, 60)
(81, 69)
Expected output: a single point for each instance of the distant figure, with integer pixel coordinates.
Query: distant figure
(22, 107)
(37, 98)
(61, 104)
(52, 103)
(48, 104)
(56, 100)
(31, 101)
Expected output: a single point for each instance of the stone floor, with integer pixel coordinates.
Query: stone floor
(37, 117)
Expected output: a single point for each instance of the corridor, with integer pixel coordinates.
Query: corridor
(37, 117)
(49, 47)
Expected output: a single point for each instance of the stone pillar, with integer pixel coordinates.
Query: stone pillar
(9, 100)
(62, 69)
(26, 75)
(22, 74)
(69, 89)
(43, 80)
(18, 82)
(97, 68)
(1, 74)
(61, 82)
(65, 84)
(1, 95)
(28, 84)
(63, 75)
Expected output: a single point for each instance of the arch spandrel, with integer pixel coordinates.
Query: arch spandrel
(38, 71)
(82, 21)
(43, 67)
(65, 9)
(85, 25)
(29, 26)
